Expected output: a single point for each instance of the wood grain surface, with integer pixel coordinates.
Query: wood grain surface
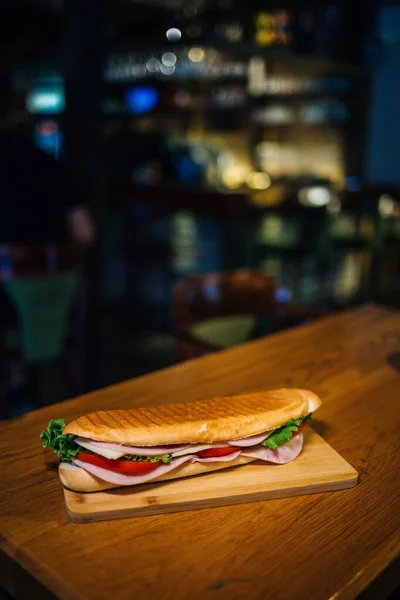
(318, 469)
(328, 545)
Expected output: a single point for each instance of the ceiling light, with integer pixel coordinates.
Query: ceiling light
(386, 205)
(258, 181)
(173, 34)
(167, 70)
(234, 176)
(315, 196)
(153, 65)
(168, 59)
(196, 54)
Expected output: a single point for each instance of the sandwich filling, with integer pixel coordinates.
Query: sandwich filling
(129, 465)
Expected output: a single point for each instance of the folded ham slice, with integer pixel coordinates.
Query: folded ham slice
(252, 440)
(226, 458)
(283, 454)
(197, 448)
(119, 479)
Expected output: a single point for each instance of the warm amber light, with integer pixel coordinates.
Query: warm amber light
(196, 54)
(386, 205)
(258, 181)
(234, 176)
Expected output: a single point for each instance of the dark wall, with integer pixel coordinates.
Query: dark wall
(384, 145)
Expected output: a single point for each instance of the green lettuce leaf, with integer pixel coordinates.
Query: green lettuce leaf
(63, 445)
(284, 433)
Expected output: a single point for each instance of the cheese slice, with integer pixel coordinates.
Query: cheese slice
(106, 452)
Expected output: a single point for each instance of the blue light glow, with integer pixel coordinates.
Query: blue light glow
(45, 99)
(48, 137)
(283, 295)
(141, 100)
(353, 184)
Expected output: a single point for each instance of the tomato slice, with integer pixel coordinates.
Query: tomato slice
(125, 467)
(214, 452)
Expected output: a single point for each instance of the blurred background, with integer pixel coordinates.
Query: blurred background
(179, 176)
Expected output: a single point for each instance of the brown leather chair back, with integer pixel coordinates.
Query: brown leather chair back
(210, 296)
(201, 297)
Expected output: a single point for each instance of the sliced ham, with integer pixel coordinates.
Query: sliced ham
(118, 479)
(197, 448)
(283, 454)
(252, 440)
(210, 459)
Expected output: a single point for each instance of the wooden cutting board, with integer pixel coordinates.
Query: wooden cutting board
(319, 468)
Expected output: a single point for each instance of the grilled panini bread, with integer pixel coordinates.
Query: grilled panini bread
(115, 448)
(202, 421)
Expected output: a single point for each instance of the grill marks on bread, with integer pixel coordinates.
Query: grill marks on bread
(202, 421)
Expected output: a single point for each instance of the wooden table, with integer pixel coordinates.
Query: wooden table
(330, 545)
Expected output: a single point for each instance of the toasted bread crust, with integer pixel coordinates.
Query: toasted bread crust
(202, 421)
(79, 480)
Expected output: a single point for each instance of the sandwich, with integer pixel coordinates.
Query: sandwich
(115, 448)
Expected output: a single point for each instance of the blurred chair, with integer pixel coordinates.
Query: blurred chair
(41, 285)
(218, 310)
